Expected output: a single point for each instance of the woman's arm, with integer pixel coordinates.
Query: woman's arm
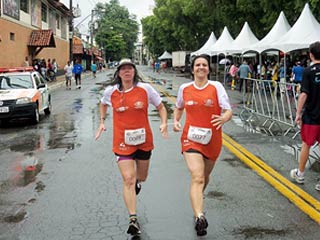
(163, 117)
(177, 114)
(103, 112)
(218, 120)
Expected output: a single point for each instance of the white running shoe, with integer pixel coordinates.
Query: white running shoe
(317, 186)
(294, 175)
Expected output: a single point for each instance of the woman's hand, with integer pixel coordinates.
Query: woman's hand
(217, 121)
(164, 130)
(176, 126)
(100, 130)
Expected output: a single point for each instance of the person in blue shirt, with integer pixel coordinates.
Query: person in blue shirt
(77, 70)
(94, 69)
(296, 76)
(282, 78)
(243, 73)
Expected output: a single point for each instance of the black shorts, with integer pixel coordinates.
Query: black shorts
(137, 155)
(191, 150)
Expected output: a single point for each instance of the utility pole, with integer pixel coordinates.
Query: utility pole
(71, 32)
(91, 35)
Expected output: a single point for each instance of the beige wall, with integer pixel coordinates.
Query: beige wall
(13, 53)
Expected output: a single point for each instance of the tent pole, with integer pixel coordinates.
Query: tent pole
(260, 64)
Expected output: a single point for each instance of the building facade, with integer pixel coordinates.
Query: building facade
(33, 29)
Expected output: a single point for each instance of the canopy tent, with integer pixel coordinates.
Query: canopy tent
(243, 41)
(205, 48)
(165, 55)
(224, 42)
(305, 31)
(280, 28)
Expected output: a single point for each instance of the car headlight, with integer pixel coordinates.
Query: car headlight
(23, 100)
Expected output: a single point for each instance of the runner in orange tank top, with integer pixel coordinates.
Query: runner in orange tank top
(207, 108)
(132, 136)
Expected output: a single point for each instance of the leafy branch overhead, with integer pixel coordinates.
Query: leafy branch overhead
(187, 24)
(117, 30)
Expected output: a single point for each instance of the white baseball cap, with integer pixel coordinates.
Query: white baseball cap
(125, 61)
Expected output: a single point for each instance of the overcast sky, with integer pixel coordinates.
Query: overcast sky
(141, 8)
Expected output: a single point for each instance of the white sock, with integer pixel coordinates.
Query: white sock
(300, 174)
(200, 215)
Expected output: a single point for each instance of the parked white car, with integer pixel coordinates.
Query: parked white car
(23, 94)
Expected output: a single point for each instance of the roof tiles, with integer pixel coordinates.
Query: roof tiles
(42, 38)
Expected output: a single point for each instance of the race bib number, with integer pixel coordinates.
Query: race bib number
(200, 135)
(135, 137)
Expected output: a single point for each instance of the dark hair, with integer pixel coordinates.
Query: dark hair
(205, 56)
(117, 80)
(314, 48)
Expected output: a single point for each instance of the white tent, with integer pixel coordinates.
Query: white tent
(224, 42)
(165, 55)
(205, 48)
(305, 31)
(280, 28)
(244, 40)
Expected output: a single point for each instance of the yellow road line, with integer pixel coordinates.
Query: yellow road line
(304, 201)
(277, 184)
(307, 197)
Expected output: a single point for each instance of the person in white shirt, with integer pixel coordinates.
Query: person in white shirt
(68, 73)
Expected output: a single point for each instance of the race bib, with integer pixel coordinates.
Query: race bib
(199, 135)
(135, 137)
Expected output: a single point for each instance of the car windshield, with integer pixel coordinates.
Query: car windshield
(16, 82)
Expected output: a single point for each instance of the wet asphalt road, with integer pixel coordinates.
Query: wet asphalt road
(57, 183)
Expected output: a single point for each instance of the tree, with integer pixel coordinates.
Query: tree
(187, 24)
(118, 30)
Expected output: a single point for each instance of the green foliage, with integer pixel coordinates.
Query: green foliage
(118, 30)
(187, 24)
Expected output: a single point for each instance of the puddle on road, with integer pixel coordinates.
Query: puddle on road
(25, 171)
(40, 186)
(255, 232)
(77, 105)
(62, 134)
(235, 162)
(27, 143)
(18, 217)
(215, 195)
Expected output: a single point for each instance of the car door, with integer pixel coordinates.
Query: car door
(42, 87)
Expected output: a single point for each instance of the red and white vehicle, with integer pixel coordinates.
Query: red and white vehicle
(23, 94)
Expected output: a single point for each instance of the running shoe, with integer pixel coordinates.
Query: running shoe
(317, 186)
(138, 187)
(134, 227)
(201, 225)
(294, 175)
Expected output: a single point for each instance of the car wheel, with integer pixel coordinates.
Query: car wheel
(4, 122)
(48, 110)
(36, 116)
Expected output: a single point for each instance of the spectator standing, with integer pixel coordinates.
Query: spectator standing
(308, 112)
(26, 62)
(243, 73)
(43, 68)
(233, 73)
(68, 74)
(94, 69)
(50, 72)
(296, 76)
(77, 70)
(54, 68)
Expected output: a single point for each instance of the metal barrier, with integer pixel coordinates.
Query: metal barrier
(270, 106)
